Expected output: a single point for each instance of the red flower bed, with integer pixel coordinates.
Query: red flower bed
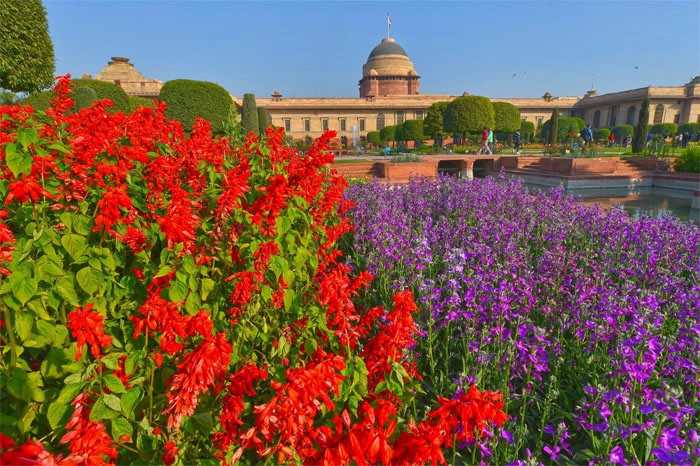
(174, 298)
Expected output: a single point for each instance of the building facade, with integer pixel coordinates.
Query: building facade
(389, 94)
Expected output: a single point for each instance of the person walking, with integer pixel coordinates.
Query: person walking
(611, 139)
(485, 142)
(491, 144)
(516, 142)
(587, 135)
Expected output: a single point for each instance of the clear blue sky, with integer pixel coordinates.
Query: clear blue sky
(318, 48)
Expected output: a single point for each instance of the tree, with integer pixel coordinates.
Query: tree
(388, 134)
(506, 117)
(469, 114)
(622, 131)
(640, 132)
(412, 130)
(264, 119)
(692, 129)
(249, 114)
(527, 130)
(553, 136)
(664, 130)
(601, 134)
(433, 125)
(83, 97)
(374, 138)
(188, 99)
(26, 51)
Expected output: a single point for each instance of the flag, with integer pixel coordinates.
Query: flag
(388, 20)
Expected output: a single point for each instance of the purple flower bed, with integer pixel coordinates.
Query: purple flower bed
(587, 320)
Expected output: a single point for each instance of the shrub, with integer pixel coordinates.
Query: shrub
(527, 130)
(373, 137)
(39, 100)
(601, 134)
(568, 127)
(264, 119)
(664, 130)
(689, 160)
(187, 99)
(550, 130)
(622, 131)
(433, 125)
(192, 299)
(693, 129)
(506, 117)
(138, 102)
(249, 114)
(105, 90)
(83, 97)
(26, 51)
(469, 114)
(413, 130)
(640, 131)
(388, 134)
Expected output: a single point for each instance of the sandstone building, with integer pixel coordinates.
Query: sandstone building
(389, 94)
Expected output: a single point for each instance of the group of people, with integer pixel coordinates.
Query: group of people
(488, 143)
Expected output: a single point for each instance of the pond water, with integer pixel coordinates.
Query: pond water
(651, 202)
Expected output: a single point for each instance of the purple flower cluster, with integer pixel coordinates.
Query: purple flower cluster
(586, 319)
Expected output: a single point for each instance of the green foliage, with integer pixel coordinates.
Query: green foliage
(601, 134)
(388, 134)
(373, 137)
(691, 128)
(640, 131)
(507, 117)
(689, 161)
(39, 100)
(104, 90)
(622, 131)
(26, 51)
(551, 132)
(137, 102)
(188, 99)
(433, 125)
(469, 114)
(567, 127)
(249, 114)
(412, 130)
(527, 129)
(83, 97)
(264, 119)
(7, 97)
(664, 129)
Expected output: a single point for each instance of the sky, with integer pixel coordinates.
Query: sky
(493, 48)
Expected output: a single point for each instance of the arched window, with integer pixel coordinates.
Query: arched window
(613, 115)
(631, 113)
(380, 121)
(596, 119)
(344, 142)
(659, 114)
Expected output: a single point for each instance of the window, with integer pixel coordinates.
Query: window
(287, 125)
(677, 118)
(344, 142)
(631, 112)
(342, 124)
(400, 117)
(324, 124)
(539, 121)
(362, 124)
(380, 121)
(419, 114)
(596, 119)
(307, 124)
(659, 114)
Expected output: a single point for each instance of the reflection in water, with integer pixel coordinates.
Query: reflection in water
(649, 202)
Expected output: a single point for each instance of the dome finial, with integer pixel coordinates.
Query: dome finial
(388, 26)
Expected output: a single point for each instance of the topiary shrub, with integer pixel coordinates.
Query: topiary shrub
(527, 131)
(249, 114)
(104, 90)
(689, 161)
(434, 122)
(550, 130)
(622, 131)
(469, 114)
(664, 130)
(506, 117)
(601, 134)
(136, 102)
(188, 99)
(640, 131)
(388, 134)
(83, 97)
(264, 119)
(412, 130)
(693, 129)
(39, 100)
(26, 51)
(568, 127)
(373, 137)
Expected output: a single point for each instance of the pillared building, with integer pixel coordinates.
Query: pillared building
(389, 94)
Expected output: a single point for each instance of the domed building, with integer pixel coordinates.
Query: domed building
(388, 71)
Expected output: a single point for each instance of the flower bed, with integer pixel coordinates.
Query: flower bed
(586, 320)
(175, 299)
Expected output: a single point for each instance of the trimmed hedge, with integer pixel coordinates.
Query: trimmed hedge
(434, 123)
(104, 90)
(137, 102)
(507, 117)
(412, 130)
(527, 130)
(664, 129)
(26, 51)
(567, 127)
(388, 133)
(691, 128)
(249, 114)
(264, 119)
(601, 134)
(469, 114)
(622, 131)
(640, 131)
(373, 137)
(83, 97)
(187, 99)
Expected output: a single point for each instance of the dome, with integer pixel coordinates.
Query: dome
(387, 46)
(388, 59)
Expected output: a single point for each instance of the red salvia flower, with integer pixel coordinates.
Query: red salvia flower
(88, 442)
(87, 327)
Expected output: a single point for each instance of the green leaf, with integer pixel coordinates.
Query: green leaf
(74, 244)
(27, 136)
(69, 391)
(113, 402)
(121, 426)
(66, 290)
(177, 291)
(129, 401)
(89, 279)
(25, 386)
(24, 322)
(25, 423)
(100, 410)
(114, 384)
(18, 162)
(207, 285)
(25, 290)
(52, 367)
(59, 147)
(57, 413)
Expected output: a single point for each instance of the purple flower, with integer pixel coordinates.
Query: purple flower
(617, 455)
